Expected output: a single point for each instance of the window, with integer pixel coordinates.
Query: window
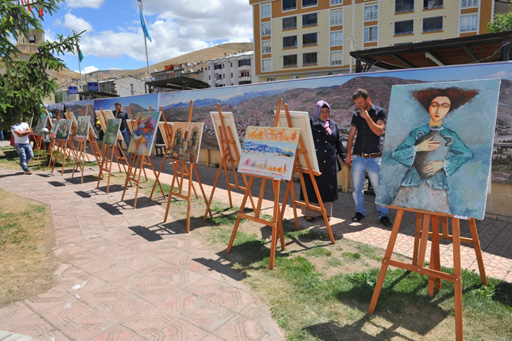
(289, 23)
(336, 58)
(336, 17)
(309, 58)
(336, 38)
(309, 3)
(402, 6)
(468, 3)
(336, 2)
(290, 60)
(244, 74)
(309, 39)
(266, 47)
(371, 12)
(310, 19)
(289, 42)
(271, 79)
(266, 29)
(428, 4)
(32, 39)
(404, 27)
(468, 23)
(265, 11)
(244, 62)
(433, 24)
(217, 66)
(289, 5)
(371, 33)
(266, 64)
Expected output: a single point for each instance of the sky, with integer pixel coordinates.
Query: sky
(114, 37)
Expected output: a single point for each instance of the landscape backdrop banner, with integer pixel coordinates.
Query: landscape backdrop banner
(254, 104)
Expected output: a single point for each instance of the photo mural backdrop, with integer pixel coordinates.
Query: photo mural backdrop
(254, 104)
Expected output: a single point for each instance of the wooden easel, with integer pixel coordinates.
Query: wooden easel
(166, 131)
(301, 150)
(180, 168)
(434, 273)
(227, 145)
(62, 146)
(51, 146)
(118, 153)
(138, 162)
(277, 222)
(106, 164)
(80, 160)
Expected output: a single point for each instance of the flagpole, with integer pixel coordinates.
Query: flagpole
(146, 46)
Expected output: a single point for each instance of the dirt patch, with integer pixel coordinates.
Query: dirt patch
(27, 237)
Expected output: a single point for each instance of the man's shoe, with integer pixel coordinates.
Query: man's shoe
(358, 217)
(386, 222)
(28, 172)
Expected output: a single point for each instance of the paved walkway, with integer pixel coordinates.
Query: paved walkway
(115, 281)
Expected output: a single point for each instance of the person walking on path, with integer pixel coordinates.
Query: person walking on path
(21, 132)
(328, 147)
(367, 126)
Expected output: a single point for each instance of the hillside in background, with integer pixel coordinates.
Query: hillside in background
(214, 52)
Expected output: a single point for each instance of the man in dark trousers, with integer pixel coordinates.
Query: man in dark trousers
(366, 127)
(123, 115)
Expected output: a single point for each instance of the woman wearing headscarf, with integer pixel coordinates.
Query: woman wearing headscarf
(328, 146)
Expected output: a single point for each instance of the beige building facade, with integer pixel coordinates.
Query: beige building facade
(308, 38)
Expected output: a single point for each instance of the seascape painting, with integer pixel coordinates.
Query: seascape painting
(63, 130)
(144, 132)
(112, 131)
(438, 147)
(82, 131)
(269, 152)
(186, 141)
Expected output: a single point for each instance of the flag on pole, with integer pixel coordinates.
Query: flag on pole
(144, 26)
(80, 54)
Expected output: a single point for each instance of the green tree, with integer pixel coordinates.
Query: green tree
(24, 84)
(502, 23)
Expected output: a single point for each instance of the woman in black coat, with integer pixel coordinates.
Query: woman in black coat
(328, 146)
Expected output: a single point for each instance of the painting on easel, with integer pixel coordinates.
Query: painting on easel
(144, 132)
(300, 119)
(63, 130)
(229, 122)
(53, 130)
(112, 131)
(269, 151)
(186, 141)
(82, 131)
(41, 123)
(438, 147)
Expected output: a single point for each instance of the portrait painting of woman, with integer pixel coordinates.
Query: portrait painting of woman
(438, 153)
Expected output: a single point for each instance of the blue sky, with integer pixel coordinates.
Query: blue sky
(114, 38)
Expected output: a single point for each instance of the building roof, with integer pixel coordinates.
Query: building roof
(178, 83)
(481, 48)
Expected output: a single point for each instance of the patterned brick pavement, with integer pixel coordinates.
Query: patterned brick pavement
(114, 284)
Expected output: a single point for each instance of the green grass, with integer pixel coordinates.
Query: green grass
(11, 230)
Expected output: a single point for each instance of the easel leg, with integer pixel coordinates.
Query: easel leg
(275, 225)
(457, 285)
(208, 204)
(175, 167)
(387, 257)
(238, 217)
(435, 261)
(478, 250)
(417, 233)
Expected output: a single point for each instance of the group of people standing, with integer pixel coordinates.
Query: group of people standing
(367, 126)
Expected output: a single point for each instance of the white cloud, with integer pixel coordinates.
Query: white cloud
(84, 3)
(89, 69)
(76, 24)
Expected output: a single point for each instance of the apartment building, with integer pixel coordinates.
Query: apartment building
(308, 38)
(231, 70)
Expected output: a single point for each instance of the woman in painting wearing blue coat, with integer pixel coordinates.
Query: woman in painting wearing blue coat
(327, 142)
(432, 152)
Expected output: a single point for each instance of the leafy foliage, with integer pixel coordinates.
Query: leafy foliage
(25, 83)
(502, 22)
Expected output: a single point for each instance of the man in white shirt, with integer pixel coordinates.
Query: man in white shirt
(21, 132)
